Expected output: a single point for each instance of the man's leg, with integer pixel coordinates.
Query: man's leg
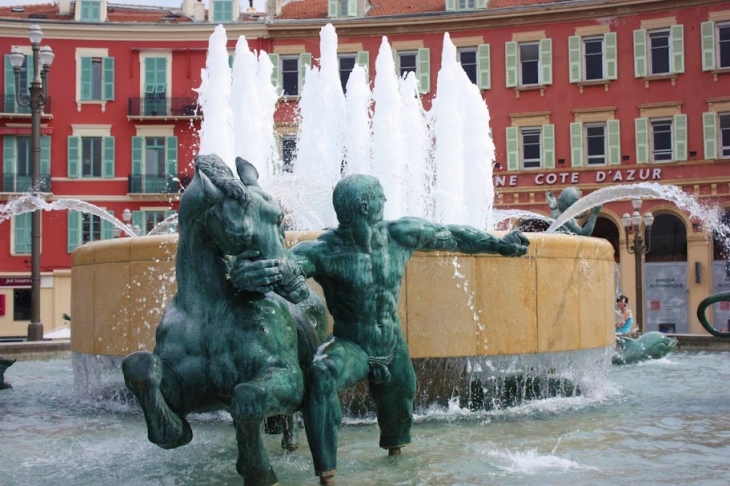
(337, 365)
(394, 401)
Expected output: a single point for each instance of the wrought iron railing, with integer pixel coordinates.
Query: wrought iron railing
(16, 183)
(153, 184)
(163, 107)
(10, 105)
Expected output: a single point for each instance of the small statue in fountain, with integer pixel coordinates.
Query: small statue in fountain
(4, 364)
(360, 266)
(567, 198)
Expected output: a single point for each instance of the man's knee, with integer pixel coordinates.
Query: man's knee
(322, 377)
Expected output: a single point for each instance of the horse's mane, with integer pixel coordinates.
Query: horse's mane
(220, 175)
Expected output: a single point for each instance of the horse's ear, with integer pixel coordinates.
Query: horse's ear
(247, 172)
(211, 191)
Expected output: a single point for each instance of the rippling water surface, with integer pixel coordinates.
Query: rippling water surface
(658, 423)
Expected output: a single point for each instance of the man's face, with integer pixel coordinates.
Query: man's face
(376, 205)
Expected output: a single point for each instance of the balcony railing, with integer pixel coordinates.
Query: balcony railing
(163, 107)
(16, 183)
(10, 105)
(153, 184)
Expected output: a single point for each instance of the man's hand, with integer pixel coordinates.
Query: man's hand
(255, 275)
(514, 243)
(596, 210)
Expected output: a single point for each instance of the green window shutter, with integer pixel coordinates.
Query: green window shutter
(513, 152)
(108, 77)
(74, 157)
(275, 72)
(305, 59)
(483, 67)
(641, 126)
(171, 148)
(676, 35)
(108, 157)
(640, 68)
(22, 233)
(708, 46)
(546, 61)
(576, 144)
(450, 5)
(333, 8)
(352, 8)
(9, 86)
(574, 59)
(363, 60)
(107, 228)
(548, 146)
(86, 77)
(609, 46)
(138, 220)
(45, 158)
(709, 132)
(510, 60)
(614, 142)
(481, 4)
(9, 163)
(74, 230)
(137, 144)
(424, 69)
(680, 137)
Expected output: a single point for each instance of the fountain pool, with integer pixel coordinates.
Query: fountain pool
(659, 422)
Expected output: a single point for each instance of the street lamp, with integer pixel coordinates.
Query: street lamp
(42, 59)
(127, 218)
(639, 248)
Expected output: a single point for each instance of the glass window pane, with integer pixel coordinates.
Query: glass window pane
(468, 60)
(593, 59)
(346, 65)
(96, 78)
(659, 45)
(290, 76)
(529, 65)
(407, 63)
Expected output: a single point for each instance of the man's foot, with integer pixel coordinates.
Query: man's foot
(394, 451)
(327, 477)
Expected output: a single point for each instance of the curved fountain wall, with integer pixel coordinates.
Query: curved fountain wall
(557, 299)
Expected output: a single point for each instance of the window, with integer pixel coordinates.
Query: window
(152, 219)
(467, 4)
(22, 234)
(155, 86)
(659, 52)
(148, 219)
(530, 146)
(453, 5)
(595, 143)
(347, 63)
(723, 46)
(342, 8)
(288, 153)
(90, 153)
(661, 138)
(25, 77)
(16, 170)
(21, 304)
(407, 63)
(97, 79)
(90, 228)
(90, 11)
(154, 165)
(530, 143)
(724, 135)
(91, 157)
(223, 11)
(468, 60)
(593, 48)
(84, 227)
(290, 75)
(529, 63)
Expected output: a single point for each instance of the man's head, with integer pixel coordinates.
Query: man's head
(567, 198)
(358, 195)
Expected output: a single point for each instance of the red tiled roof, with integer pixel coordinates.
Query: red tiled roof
(114, 13)
(317, 9)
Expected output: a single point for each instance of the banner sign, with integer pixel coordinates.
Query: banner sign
(14, 281)
(666, 297)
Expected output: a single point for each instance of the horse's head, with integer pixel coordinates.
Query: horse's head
(238, 215)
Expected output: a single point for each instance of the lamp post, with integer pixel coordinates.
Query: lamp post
(640, 247)
(42, 59)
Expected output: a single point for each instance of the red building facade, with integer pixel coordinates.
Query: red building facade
(588, 93)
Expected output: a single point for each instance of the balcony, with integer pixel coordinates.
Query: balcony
(156, 184)
(11, 109)
(16, 183)
(185, 108)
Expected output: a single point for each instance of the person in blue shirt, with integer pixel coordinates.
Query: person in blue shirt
(624, 318)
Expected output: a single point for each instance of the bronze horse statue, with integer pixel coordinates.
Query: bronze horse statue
(701, 312)
(220, 347)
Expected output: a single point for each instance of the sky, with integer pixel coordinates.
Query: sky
(259, 4)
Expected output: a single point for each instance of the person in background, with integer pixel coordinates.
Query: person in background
(624, 318)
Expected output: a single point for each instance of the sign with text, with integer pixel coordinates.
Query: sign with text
(721, 283)
(665, 296)
(608, 176)
(14, 281)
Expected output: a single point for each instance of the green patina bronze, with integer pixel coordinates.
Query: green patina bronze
(567, 198)
(219, 344)
(650, 345)
(5, 363)
(360, 266)
(702, 309)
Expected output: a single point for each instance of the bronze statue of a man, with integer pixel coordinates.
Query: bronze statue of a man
(567, 198)
(360, 266)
